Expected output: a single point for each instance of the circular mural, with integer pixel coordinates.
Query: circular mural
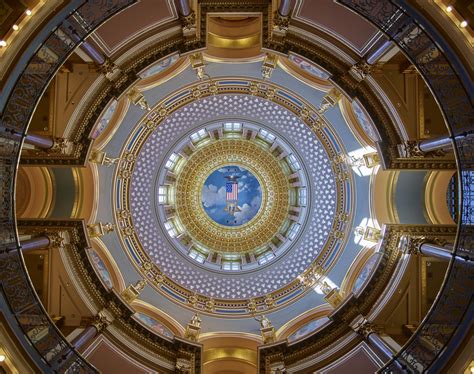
(231, 196)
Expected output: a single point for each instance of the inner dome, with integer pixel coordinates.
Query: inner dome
(231, 196)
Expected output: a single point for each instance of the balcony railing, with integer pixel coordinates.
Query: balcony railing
(453, 89)
(52, 353)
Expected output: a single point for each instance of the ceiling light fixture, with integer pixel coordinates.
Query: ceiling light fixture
(15, 27)
(2, 358)
(449, 9)
(463, 24)
(28, 12)
(3, 43)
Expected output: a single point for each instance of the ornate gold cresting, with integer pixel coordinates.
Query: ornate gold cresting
(266, 329)
(269, 64)
(329, 100)
(101, 158)
(193, 328)
(96, 230)
(137, 98)
(197, 63)
(133, 291)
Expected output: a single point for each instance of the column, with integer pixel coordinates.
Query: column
(284, 8)
(34, 243)
(374, 340)
(437, 251)
(435, 144)
(375, 55)
(84, 337)
(366, 330)
(99, 324)
(92, 52)
(40, 141)
(87, 47)
(442, 143)
(183, 7)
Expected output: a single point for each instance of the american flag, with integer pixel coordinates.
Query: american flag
(232, 191)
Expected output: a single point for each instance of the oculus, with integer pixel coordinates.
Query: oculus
(231, 196)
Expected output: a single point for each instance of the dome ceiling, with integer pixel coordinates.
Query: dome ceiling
(273, 130)
(310, 237)
(230, 181)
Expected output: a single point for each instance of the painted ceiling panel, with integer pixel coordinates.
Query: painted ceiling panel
(337, 20)
(133, 21)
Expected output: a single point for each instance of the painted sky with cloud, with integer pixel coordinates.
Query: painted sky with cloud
(213, 196)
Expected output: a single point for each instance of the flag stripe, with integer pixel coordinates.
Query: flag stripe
(232, 191)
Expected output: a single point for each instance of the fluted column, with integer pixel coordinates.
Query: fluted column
(47, 143)
(435, 144)
(433, 250)
(38, 242)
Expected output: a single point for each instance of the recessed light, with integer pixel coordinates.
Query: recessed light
(3, 43)
(15, 27)
(449, 8)
(2, 358)
(28, 12)
(463, 24)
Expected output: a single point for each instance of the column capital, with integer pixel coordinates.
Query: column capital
(102, 320)
(281, 22)
(413, 244)
(277, 368)
(183, 366)
(56, 239)
(411, 148)
(61, 146)
(360, 70)
(363, 327)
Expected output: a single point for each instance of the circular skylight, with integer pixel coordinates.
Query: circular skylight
(231, 196)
